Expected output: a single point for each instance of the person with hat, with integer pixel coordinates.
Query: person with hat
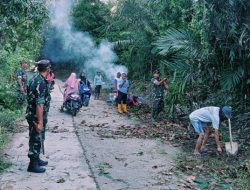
(21, 84)
(159, 86)
(38, 98)
(200, 119)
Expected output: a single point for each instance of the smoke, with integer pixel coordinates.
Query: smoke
(65, 45)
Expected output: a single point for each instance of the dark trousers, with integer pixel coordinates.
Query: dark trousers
(97, 91)
(122, 98)
(34, 140)
(157, 106)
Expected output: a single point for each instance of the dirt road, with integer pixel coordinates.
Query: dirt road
(85, 152)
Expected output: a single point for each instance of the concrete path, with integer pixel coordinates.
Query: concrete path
(85, 153)
(67, 168)
(119, 162)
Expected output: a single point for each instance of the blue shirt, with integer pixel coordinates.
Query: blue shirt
(98, 80)
(124, 88)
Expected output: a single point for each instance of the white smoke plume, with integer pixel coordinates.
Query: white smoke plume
(68, 45)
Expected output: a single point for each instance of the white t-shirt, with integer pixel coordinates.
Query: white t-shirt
(207, 115)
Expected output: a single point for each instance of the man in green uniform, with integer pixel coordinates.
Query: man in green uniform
(38, 94)
(158, 94)
(21, 84)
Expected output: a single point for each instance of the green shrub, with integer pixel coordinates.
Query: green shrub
(243, 180)
(7, 96)
(3, 136)
(7, 120)
(4, 165)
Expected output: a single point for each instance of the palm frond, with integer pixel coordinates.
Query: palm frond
(231, 78)
(174, 40)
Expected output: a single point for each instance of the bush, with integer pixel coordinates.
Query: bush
(7, 96)
(7, 125)
(7, 120)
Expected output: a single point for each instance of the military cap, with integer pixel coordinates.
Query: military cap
(43, 64)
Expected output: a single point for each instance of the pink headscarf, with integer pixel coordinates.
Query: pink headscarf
(71, 85)
(72, 81)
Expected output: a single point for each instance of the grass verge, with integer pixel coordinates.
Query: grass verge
(7, 126)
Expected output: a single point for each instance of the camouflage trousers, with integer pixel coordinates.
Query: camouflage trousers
(34, 140)
(157, 106)
(20, 98)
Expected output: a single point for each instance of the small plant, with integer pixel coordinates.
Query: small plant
(7, 124)
(7, 120)
(3, 136)
(4, 165)
(243, 180)
(7, 96)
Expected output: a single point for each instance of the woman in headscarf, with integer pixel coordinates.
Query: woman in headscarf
(71, 86)
(84, 80)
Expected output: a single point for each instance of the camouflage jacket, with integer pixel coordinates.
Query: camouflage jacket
(37, 93)
(157, 91)
(21, 74)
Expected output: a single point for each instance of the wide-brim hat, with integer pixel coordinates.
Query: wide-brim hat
(227, 111)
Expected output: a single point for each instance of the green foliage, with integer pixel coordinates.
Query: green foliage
(20, 21)
(3, 137)
(7, 120)
(206, 54)
(20, 39)
(4, 165)
(182, 59)
(7, 96)
(231, 78)
(202, 45)
(243, 180)
(20, 33)
(7, 124)
(90, 17)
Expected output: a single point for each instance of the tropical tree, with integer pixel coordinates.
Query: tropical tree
(20, 32)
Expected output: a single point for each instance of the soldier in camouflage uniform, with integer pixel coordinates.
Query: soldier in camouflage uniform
(21, 84)
(158, 94)
(38, 94)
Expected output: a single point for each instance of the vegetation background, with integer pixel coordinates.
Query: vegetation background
(203, 47)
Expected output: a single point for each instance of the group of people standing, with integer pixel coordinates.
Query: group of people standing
(38, 98)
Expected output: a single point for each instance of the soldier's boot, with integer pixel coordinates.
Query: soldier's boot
(42, 162)
(34, 167)
(119, 108)
(98, 96)
(124, 106)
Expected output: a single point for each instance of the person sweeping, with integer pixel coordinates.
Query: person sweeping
(123, 85)
(201, 118)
